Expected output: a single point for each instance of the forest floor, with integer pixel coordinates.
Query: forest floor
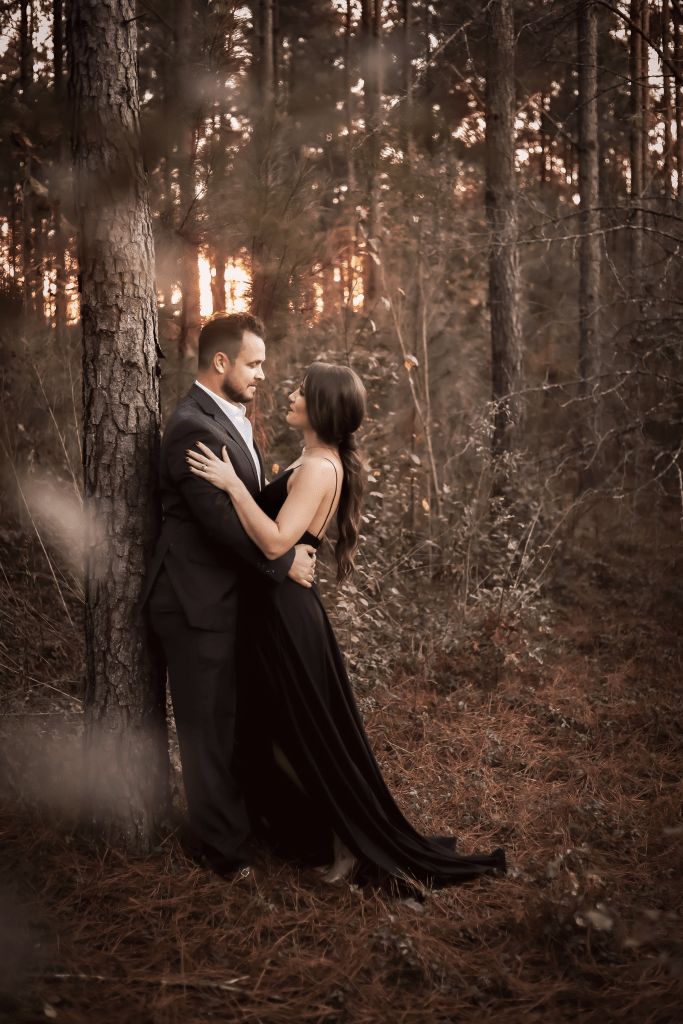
(570, 759)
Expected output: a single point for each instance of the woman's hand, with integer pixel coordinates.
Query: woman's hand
(219, 472)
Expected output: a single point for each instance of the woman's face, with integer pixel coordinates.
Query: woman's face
(297, 416)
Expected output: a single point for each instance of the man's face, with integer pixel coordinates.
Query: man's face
(241, 378)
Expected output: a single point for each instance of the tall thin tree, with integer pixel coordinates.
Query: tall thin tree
(589, 247)
(371, 41)
(667, 108)
(501, 210)
(645, 92)
(26, 46)
(636, 143)
(124, 705)
(187, 127)
(264, 144)
(59, 238)
(678, 91)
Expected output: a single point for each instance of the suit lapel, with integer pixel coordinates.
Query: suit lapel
(212, 408)
(260, 462)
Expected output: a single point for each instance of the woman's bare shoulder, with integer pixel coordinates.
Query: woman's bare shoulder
(317, 469)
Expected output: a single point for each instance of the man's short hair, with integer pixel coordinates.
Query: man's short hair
(223, 332)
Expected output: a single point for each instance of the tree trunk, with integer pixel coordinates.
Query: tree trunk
(168, 257)
(59, 244)
(267, 54)
(59, 239)
(428, 111)
(501, 210)
(27, 210)
(408, 143)
(267, 302)
(589, 250)
(606, 161)
(348, 100)
(371, 33)
(329, 296)
(678, 59)
(544, 143)
(28, 258)
(190, 313)
(41, 264)
(126, 764)
(645, 94)
(667, 111)
(218, 281)
(635, 65)
(25, 46)
(58, 47)
(275, 46)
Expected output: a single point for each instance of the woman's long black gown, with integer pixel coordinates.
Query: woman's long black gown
(294, 697)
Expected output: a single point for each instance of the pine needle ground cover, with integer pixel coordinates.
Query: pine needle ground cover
(571, 762)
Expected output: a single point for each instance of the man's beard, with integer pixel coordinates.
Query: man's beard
(233, 395)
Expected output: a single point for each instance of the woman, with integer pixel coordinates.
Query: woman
(312, 784)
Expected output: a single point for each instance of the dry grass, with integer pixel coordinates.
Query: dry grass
(573, 767)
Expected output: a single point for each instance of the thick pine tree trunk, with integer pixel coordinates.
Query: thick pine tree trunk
(589, 251)
(126, 760)
(501, 210)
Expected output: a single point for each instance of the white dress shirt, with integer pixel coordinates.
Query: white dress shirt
(237, 414)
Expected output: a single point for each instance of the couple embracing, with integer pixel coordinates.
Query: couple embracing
(272, 744)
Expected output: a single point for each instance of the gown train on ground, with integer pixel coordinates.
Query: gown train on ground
(303, 757)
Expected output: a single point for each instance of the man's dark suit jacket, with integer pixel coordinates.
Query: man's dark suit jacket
(202, 545)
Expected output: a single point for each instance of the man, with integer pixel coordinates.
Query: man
(193, 581)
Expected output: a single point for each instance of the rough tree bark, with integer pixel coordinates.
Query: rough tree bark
(126, 760)
(589, 250)
(501, 210)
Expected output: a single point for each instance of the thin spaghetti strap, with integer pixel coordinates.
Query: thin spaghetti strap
(336, 484)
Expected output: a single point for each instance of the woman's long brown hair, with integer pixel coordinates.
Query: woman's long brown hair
(335, 404)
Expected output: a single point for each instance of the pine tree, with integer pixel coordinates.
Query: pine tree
(124, 708)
